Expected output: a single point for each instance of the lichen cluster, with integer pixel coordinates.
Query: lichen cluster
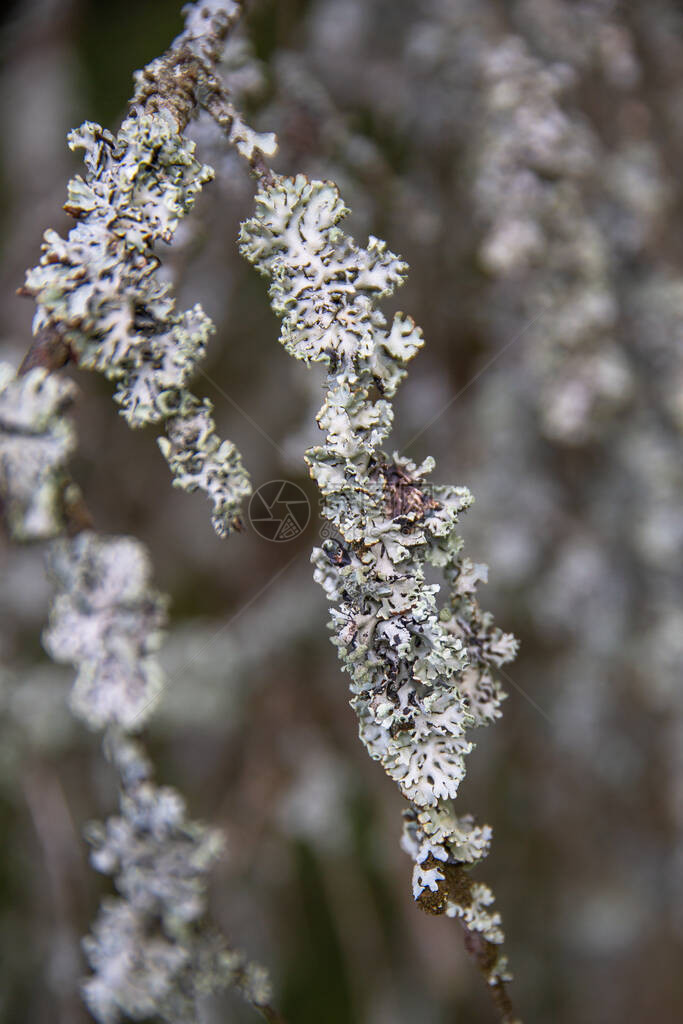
(36, 441)
(535, 156)
(106, 620)
(102, 291)
(421, 667)
(151, 952)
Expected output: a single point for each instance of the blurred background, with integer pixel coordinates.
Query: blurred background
(526, 159)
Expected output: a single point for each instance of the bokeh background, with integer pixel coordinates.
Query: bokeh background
(526, 158)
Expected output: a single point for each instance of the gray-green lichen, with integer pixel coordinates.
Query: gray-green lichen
(101, 291)
(200, 460)
(101, 285)
(151, 952)
(106, 620)
(421, 668)
(534, 159)
(36, 442)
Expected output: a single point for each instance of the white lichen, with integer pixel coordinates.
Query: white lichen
(101, 292)
(534, 158)
(151, 952)
(36, 442)
(106, 620)
(421, 671)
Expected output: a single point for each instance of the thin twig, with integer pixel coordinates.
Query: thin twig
(485, 954)
(48, 349)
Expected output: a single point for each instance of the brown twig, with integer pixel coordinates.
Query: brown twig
(485, 954)
(271, 1015)
(48, 349)
(457, 886)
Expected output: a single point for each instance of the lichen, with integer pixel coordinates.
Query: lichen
(36, 442)
(422, 671)
(102, 302)
(106, 620)
(151, 951)
(101, 291)
(533, 157)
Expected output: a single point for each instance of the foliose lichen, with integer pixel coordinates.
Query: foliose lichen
(101, 290)
(36, 441)
(151, 951)
(422, 670)
(106, 620)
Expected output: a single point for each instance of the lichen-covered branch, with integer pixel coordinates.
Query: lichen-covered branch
(532, 166)
(106, 620)
(102, 300)
(151, 950)
(422, 668)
